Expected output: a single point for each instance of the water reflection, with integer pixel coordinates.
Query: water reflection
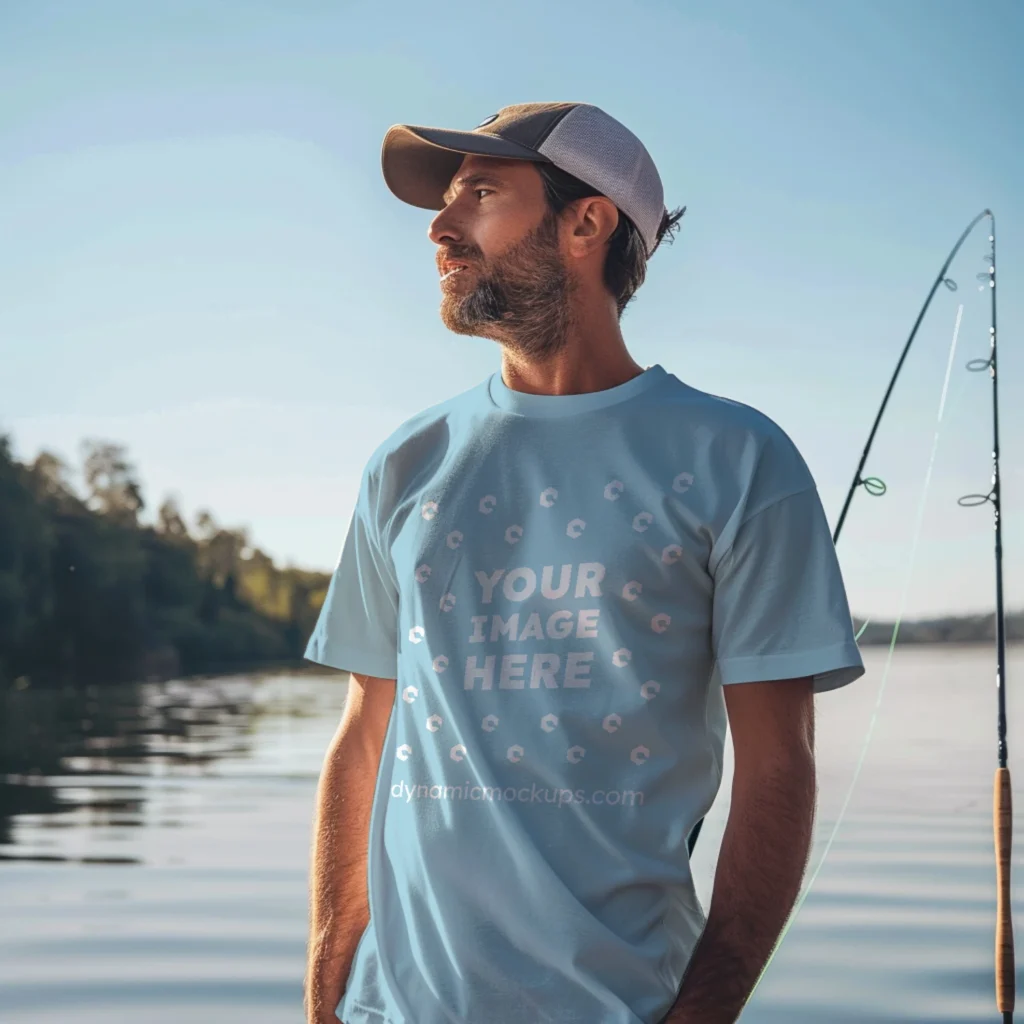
(102, 761)
(196, 798)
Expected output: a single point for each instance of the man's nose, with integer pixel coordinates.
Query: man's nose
(444, 230)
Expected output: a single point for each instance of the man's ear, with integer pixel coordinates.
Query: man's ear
(592, 222)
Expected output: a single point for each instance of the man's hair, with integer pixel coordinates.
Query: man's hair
(625, 265)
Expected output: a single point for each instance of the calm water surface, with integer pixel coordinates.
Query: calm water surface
(154, 846)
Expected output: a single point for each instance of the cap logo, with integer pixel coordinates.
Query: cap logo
(486, 121)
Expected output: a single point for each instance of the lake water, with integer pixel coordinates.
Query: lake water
(154, 845)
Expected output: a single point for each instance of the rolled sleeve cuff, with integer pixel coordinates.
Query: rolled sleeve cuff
(831, 667)
(350, 659)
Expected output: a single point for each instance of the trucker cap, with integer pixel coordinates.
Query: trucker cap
(419, 163)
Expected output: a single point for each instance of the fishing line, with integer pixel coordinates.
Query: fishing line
(888, 663)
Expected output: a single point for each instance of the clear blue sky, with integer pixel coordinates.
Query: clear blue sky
(200, 259)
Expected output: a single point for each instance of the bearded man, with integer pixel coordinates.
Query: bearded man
(558, 590)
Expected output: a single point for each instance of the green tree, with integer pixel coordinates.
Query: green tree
(90, 595)
(110, 481)
(49, 478)
(26, 544)
(169, 520)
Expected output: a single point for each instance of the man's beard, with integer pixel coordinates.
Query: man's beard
(520, 299)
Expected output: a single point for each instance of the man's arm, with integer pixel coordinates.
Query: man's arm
(339, 904)
(764, 849)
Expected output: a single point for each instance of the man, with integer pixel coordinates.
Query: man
(556, 590)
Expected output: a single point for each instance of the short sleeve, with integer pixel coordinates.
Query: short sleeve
(780, 609)
(357, 630)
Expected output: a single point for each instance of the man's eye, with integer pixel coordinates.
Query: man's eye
(477, 191)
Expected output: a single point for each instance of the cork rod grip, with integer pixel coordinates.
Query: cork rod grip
(1003, 826)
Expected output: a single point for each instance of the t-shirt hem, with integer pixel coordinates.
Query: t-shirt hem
(350, 659)
(831, 667)
(359, 1013)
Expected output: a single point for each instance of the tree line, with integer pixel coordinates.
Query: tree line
(89, 594)
(949, 629)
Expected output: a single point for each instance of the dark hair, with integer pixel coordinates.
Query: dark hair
(625, 266)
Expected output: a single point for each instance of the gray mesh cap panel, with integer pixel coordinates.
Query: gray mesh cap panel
(597, 149)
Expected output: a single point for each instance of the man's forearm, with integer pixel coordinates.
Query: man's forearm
(760, 867)
(339, 906)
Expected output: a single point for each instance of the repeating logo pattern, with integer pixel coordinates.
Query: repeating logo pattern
(641, 521)
(621, 658)
(671, 554)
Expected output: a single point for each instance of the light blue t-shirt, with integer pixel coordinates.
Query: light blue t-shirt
(561, 586)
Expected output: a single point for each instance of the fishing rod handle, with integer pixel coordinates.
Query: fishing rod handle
(1003, 826)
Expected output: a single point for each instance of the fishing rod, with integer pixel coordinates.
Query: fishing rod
(873, 485)
(1002, 790)
(1002, 797)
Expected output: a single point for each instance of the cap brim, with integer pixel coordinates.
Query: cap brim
(419, 163)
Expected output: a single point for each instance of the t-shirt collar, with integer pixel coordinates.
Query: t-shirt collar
(523, 404)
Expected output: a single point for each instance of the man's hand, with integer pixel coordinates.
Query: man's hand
(764, 850)
(339, 901)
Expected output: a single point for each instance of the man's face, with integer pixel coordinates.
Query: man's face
(503, 275)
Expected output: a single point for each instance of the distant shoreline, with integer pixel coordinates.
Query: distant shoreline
(949, 629)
